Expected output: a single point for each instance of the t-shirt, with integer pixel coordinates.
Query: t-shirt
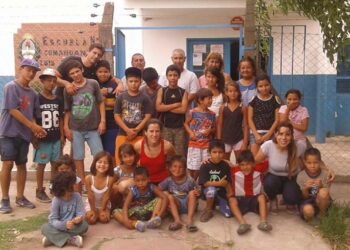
(247, 92)
(132, 109)
(251, 184)
(188, 81)
(152, 97)
(215, 172)
(264, 112)
(139, 199)
(89, 73)
(24, 100)
(278, 160)
(180, 190)
(171, 96)
(51, 113)
(296, 116)
(110, 85)
(303, 176)
(85, 114)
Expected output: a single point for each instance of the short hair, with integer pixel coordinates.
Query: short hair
(150, 74)
(133, 72)
(293, 91)
(136, 54)
(63, 182)
(71, 64)
(178, 51)
(312, 151)
(262, 77)
(215, 56)
(97, 46)
(203, 93)
(65, 160)
(245, 156)
(103, 63)
(141, 171)
(249, 60)
(99, 155)
(127, 149)
(153, 121)
(216, 143)
(176, 158)
(173, 67)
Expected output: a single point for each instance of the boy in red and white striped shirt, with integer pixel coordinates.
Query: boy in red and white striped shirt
(245, 194)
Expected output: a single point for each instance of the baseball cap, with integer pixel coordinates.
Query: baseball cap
(30, 63)
(48, 72)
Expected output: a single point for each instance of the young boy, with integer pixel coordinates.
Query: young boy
(314, 186)
(182, 193)
(48, 148)
(108, 86)
(85, 117)
(150, 76)
(200, 126)
(245, 195)
(214, 177)
(172, 103)
(20, 107)
(131, 112)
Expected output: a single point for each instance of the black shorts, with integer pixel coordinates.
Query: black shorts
(14, 149)
(310, 201)
(248, 204)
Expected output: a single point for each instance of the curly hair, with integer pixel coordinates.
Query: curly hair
(66, 160)
(62, 183)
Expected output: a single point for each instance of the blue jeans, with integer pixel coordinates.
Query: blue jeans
(92, 138)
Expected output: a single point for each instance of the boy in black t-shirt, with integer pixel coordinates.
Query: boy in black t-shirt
(49, 148)
(214, 176)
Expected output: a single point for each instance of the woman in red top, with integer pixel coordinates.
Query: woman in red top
(154, 150)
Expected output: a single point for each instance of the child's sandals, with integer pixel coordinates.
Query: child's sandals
(154, 222)
(140, 226)
(243, 228)
(175, 226)
(191, 228)
(265, 226)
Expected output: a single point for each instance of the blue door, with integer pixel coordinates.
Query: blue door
(119, 53)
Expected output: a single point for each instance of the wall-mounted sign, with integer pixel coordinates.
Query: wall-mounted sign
(29, 48)
(237, 20)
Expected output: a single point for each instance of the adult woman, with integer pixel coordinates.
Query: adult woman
(213, 60)
(154, 150)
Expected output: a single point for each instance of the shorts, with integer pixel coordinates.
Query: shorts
(108, 140)
(88, 208)
(252, 137)
(14, 149)
(92, 138)
(248, 204)
(176, 136)
(235, 147)
(195, 157)
(183, 204)
(310, 201)
(143, 212)
(224, 208)
(119, 140)
(47, 152)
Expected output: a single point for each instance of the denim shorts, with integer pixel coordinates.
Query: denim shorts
(92, 138)
(183, 204)
(14, 149)
(252, 137)
(47, 152)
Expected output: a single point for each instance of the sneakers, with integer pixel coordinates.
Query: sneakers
(154, 222)
(76, 241)
(23, 202)
(140, 226)
(45, 242)
(5, 207)
(41, 196)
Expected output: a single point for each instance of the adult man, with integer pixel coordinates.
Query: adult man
(188, 80)
(137, 61)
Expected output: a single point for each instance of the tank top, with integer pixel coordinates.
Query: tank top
(98, 193)
(171, 96)
(232, 131)
(155, 166)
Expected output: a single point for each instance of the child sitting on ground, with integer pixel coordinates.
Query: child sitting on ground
(245, 195)
(66, 164)
(144, 204)
(98, 186)
(66, 220)
(182, 193)
(314, 186)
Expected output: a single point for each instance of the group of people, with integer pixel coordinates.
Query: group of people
(159, 144)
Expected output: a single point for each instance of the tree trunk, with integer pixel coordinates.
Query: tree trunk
(250, 30)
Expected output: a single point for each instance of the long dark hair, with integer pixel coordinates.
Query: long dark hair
(98, 156)
(219, 76)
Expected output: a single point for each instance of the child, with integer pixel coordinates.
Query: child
(66, 219)
(172, 103)
(131, 111)
(48, 148)
(200, 126)
(216, 84)
(296, 114)
(214, 177)
(66, 164)
(99, 184)
(85, 116)
(233, 122)
(246, 194)
(150, 76)
(107, 86)
(262, 113)
(182, 193)
(314, 186)
(20, 107)
(144, 202)
(247, 72)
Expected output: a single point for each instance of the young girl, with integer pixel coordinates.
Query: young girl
(233, 122)
(247, 72)
(66, 164)
(296, 114)
(182, 192)
(262, 113)
(66, 220)
(216, 83)
(144, 204)
(98, 185)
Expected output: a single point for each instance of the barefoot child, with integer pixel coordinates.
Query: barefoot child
(182, 193)
(99, 184)
(245, 194)
(144, 204)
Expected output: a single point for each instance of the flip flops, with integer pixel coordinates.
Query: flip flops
(174, 226)
(154, 222)
(191, 228)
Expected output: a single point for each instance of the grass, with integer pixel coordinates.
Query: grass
(9, 230)
(336, 225)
